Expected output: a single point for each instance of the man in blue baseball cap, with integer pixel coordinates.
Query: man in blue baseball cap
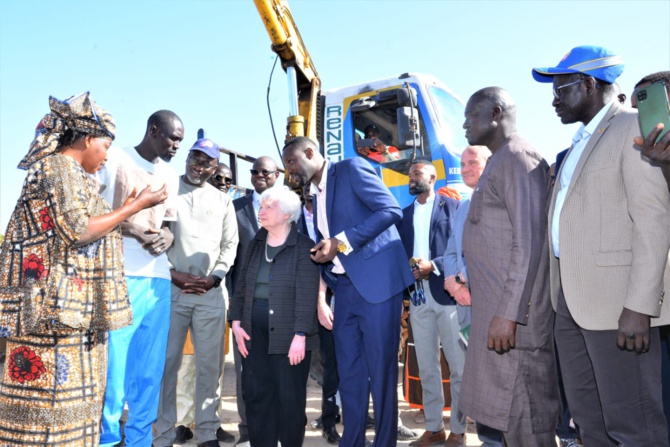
(205, 243)
(608, 217)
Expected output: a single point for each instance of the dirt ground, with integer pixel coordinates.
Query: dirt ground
(313, 438)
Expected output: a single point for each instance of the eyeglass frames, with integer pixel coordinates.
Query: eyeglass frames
(557, 91)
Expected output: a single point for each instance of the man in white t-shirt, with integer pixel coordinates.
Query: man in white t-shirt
(137, 352)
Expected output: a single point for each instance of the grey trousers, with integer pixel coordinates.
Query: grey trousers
(241, 404)
(432, 324)
(206, 316)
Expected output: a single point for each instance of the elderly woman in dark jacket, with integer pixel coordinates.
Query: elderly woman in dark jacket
(274, 322)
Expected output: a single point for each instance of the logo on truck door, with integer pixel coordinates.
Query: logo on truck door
(333, 139)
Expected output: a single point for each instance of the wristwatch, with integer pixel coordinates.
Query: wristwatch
(459, 279)
(217, 281)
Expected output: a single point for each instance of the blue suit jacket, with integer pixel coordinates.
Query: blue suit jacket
(440, 230)
(358, 203)
(454, 261)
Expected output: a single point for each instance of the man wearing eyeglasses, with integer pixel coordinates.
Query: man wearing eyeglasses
(609, 217)
(205, 241)
(264, 175)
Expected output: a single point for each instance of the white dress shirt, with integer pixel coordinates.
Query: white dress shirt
(580, 140)
(319, 193)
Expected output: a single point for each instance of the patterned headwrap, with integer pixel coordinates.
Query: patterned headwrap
(78, 113)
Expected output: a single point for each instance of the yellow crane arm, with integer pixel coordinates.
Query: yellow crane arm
(304, 81)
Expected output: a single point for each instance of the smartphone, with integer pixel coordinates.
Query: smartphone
(653, 108)
(365, 142)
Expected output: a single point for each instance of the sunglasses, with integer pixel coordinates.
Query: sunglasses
(263, 172)
(222, 179)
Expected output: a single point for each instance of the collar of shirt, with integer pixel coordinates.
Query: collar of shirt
(429, 201)
(308, 214)
(580, 140)
(256, 199)
(585, 131)
(321, 187)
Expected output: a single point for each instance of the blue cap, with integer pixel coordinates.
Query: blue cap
(590, 60)
(208, 147)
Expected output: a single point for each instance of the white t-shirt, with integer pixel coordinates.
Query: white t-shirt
(124, 171)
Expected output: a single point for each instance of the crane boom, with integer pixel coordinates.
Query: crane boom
(304, 81)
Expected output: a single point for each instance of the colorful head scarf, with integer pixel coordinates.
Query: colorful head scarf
(78, 113)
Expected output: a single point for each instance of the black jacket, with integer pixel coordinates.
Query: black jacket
(294, 286)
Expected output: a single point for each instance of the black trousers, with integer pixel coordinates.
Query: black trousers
(614, 395)
(665, 361)
(329, 407)
(275, 392)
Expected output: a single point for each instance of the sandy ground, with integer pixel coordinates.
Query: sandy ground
(313, 438)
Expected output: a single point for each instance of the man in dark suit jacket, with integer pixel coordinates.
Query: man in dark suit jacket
(364, 264)
(264, 175)
(425, 229)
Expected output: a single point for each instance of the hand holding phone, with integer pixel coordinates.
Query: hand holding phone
(653, 108)
(365, 142)
(655, 139)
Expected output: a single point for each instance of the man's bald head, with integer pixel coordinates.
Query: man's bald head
(490, 117)
(473, 162)
(496, 96)
(481, 152)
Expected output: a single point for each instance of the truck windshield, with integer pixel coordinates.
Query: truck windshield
(450, 113)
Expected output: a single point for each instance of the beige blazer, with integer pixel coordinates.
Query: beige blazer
(614, 230)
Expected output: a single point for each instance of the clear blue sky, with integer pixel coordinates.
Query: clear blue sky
(210, 61)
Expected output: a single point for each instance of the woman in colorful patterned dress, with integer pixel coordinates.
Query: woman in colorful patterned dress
(62, 285)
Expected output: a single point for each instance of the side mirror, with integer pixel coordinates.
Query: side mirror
(408, 127)
(406, 96)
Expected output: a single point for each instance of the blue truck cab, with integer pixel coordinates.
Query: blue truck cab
(413, 115)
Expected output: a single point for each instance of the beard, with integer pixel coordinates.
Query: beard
(421, 186)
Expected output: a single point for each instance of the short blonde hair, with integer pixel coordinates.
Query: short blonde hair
(288, 201)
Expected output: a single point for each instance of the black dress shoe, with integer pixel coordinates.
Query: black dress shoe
(224, 436)
(331, 435)
(182, 434)
(212, 443)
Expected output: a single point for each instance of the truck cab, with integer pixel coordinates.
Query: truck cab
(414, 116)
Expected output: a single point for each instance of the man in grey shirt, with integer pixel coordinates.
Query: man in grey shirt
(205, 242)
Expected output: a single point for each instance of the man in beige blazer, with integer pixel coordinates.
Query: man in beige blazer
(609, 217)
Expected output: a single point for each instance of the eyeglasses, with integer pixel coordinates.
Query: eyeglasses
(221, 179)
(557, 91)
(210, 163)
(263, 172)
